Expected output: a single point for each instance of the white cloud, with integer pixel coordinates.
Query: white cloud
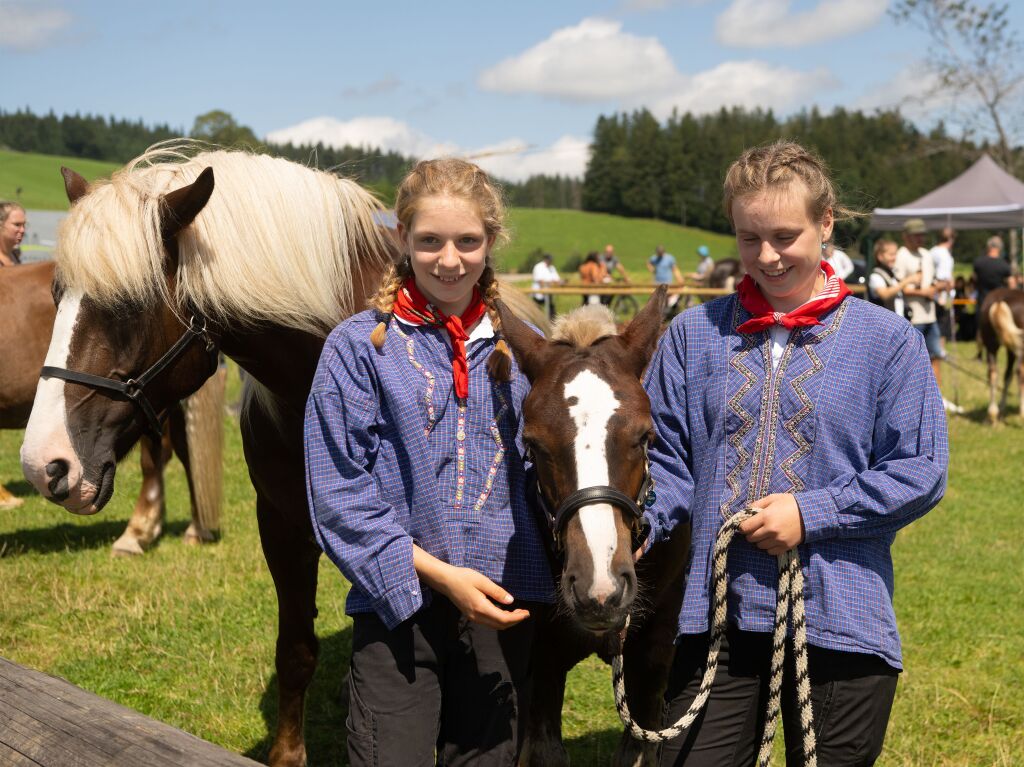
(746, 84)
(511, 159)
(26, 26)
(592, 61)
(383, 133)
(772, 24)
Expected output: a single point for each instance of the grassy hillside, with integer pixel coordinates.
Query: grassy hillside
(42, 187)
(564, 233)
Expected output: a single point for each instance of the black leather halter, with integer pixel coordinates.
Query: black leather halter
(133, 389)
(558, 519)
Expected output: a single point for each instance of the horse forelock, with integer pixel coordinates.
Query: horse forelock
(277, 242)
(584, 326)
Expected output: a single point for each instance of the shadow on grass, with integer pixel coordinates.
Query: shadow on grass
(21, 488)
(326, 706)
(595, 748)
(979, 415)
(67, 537)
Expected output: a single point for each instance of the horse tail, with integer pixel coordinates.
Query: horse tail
(1012, 337)
(204, 431)
(523, 307)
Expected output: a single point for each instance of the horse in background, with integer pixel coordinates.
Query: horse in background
(1001, 323)
(587, 425)
(726, 273)
(194, 430)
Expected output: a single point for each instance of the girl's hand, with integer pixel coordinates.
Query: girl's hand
(471, 592)
(777, 527)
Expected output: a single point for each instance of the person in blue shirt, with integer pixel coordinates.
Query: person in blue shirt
(819, 410)
(416, 485)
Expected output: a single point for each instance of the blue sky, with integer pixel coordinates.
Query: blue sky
(517, 85)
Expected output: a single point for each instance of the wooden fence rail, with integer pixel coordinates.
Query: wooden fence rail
(48, 722)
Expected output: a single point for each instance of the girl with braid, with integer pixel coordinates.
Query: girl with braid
(416, 482)
(819, 412)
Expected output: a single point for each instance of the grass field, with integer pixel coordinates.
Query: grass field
(38, 176)
(186, 635)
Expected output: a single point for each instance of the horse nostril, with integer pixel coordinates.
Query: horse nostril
(57, 469)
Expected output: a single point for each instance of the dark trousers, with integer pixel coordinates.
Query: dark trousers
(440, 684)
(851, 697)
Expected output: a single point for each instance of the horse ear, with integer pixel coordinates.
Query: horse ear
(528, 345)
(179, 208)
(641, 335)
(74, 185)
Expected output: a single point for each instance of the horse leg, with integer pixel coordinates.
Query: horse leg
(1020, 385)
(993, 375)
(9, 500)
(197, 433)
(147, 520)
(292, 560)
(558, 647)
(1011, 358)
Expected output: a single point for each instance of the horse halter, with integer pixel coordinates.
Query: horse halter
(585, 496)
(133, 389)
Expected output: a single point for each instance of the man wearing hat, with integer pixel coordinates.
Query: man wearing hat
(704, 267)
(919, 297)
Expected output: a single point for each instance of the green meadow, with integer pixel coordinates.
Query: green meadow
(186, 635)
(38, 177)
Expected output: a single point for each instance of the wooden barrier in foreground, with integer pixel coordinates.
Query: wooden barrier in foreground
(641, 289)
(48, 722)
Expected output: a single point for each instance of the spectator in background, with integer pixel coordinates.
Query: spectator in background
(663, 266)
(942, 255)
(12, 231)
(702, 273)
(838, 260)
(991, 270)
(920, 295)
(884, 288)
(593, 272)
(545, 275)
(614, 268)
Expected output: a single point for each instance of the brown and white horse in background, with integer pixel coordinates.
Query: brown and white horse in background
(1001, 323)
(587, 424)
(194, 430)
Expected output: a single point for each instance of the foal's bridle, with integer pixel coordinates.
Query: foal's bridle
(133, 389)
(558, 519)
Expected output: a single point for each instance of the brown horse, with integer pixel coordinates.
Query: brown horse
(194, 431)
(1001, 323)
(587, 424)
(155, 274)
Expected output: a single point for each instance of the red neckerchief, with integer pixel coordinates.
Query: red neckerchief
(413, 307)
(764, 316)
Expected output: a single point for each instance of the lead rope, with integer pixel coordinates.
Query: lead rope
(790, 595)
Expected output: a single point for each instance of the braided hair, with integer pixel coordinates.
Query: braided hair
(455, 178)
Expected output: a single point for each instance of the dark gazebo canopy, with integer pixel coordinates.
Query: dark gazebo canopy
(982, 197)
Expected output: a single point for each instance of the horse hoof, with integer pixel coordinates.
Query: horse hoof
(195, 536)
(127, 546)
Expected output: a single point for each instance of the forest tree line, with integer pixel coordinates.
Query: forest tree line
(639, 166)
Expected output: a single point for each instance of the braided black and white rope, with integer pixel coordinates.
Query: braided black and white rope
(789, 609)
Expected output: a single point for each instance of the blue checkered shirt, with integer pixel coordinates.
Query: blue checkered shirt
(391, 458)
(851, 422)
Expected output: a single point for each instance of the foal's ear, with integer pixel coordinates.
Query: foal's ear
(641, 335)
(74, 185)
(179, 208)
(528, 345)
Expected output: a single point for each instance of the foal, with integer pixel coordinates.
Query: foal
(1001, 323)
(587, 425)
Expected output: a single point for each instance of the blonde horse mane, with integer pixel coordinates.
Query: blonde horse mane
(584, 326)
(274, 244)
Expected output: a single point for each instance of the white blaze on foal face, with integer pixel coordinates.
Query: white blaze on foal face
(595, 404)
